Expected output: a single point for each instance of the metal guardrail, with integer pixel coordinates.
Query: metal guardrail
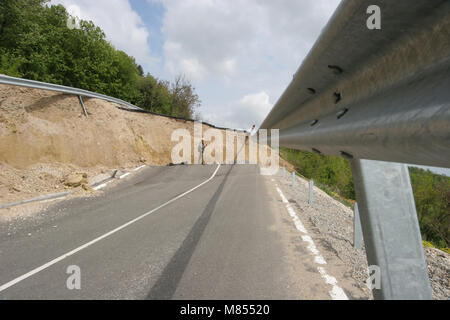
(55, 87)
(381, 95)
(374, 94)
(4, 79)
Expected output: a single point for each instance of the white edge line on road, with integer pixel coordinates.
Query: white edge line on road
(139, 168)
(100, 186)
(84, 246)
(124, 175)
(336, 292)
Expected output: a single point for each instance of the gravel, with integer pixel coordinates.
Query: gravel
(333, 221)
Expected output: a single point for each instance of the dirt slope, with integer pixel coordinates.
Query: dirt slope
(44, 137)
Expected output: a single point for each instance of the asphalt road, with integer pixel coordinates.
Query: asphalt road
(224, 240)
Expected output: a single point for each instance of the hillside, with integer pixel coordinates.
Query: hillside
(431, 191)
(44, 137)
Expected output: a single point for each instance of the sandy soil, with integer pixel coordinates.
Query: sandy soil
(44, 137)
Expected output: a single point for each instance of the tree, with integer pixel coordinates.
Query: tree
(184, 98)
(140, 70)
(154, 95)
(36, 44)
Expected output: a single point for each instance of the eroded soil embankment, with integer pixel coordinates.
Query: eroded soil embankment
(44, 137)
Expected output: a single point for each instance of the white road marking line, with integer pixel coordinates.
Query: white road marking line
(54, 199)
(283, 198)
(311, 245)
(139, 168)
(100, 186)
(84, 246)
(124, 175)
(336, 292)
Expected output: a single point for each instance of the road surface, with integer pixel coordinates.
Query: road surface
(226, 234)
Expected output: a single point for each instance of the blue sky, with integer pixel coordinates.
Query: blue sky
(152, 14)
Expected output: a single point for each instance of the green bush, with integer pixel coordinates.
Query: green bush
(36, 44)
(333, 172)
(431, 191)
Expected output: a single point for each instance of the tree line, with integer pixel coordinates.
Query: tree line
(431, 191)
(36, 44)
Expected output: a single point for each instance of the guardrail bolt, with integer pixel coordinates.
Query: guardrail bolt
(346, 155)
(341, 113)
(336, 69)
(337, 97)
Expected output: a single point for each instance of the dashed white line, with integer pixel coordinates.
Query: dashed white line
(84, 246)
(311, 245)
(336, 292)
(100, 186)
(124, 175)
(139, 168)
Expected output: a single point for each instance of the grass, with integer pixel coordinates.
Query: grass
(351, 203)
(347, 202)
(430, 245)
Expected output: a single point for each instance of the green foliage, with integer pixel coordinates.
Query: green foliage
(427, 244)
(432, 195)
(184, 98)
(154, 95)
(431, 191)
(36, 44)
(333, 172)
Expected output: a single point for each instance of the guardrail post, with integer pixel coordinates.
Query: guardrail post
(82, 105)
(357, 232)
(311, 191)
(391, 230)
(293, 178)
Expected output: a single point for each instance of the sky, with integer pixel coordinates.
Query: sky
(240, 55)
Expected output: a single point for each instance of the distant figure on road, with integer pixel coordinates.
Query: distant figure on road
(201, 149)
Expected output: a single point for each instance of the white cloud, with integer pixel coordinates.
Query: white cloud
(258, 105)
(228, 49)
(242, 114)
(232, 48)
(123, 27)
